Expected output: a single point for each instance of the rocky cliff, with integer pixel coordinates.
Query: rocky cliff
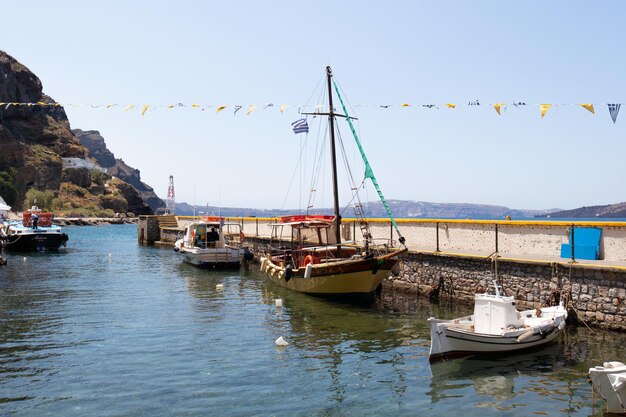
(96, 145)
(38, 151)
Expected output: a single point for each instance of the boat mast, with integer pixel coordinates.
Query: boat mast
(331, 116)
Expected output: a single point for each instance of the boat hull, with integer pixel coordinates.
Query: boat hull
(221, 258)
(454, 338)
(609, 381)
(36, 241)
(361, 276)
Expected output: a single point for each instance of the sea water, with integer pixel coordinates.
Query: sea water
(107, 327)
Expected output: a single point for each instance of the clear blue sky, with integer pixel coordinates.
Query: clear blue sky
(418, 52)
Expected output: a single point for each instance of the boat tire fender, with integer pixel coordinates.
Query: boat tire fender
(288, 272)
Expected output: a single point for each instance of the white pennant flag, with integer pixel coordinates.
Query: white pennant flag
(614, 111)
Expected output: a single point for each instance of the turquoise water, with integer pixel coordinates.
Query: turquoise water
(109, 328)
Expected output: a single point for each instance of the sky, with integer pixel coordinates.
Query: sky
(382, 53)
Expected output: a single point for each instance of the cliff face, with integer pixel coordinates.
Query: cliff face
(32, 138)
(39, 150)
(94, 142)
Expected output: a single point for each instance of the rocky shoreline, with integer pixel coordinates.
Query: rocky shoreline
(93, 221)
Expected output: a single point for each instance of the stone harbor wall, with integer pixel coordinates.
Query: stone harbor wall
(595, 293)
(596, 296)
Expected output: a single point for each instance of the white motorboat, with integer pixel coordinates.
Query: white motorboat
(496, 326)
(609, 381)
(209, 243)
(35, 232)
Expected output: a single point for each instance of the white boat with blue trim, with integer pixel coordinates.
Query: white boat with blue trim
(496, 326)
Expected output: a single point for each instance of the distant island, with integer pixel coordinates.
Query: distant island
(610, 211)
(400, 208)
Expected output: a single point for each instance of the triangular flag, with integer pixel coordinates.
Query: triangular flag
(283, 107)
(220, 108)
(498, 106)
(543, 108)
(111, 105)
(251, 109)
(588, 107)
(195, 105)
(405, 104)
(144, 109)
(129, 107)
(451, 106)
(237, 108)
(268, 105)
(170, 106)
(614, 111)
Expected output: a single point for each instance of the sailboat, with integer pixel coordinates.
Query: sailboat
(306, 253)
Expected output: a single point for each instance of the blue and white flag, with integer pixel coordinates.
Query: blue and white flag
(614, 111)
(300, 126)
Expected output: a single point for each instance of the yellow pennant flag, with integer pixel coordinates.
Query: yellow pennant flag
(195, 105)
(406, 105)
(170, 106)
(588, 107)
(111, 105)
(144, 109)
(220, 108)
(498, 106)
(251, 109)
(129, 107)
(283, 107)
(544, 109)
(451, 106)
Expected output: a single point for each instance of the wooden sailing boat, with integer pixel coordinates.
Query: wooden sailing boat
(313, 259)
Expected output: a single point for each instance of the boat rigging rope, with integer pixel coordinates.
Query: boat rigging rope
(368, 169)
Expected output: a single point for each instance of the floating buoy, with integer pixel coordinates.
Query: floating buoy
(281, 342)
(278, 302)
(219, 287)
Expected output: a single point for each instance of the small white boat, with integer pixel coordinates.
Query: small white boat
(209, 244)
(496, 326)
(609, 381)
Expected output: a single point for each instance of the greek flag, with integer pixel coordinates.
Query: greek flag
(300, 126)
(614, 111)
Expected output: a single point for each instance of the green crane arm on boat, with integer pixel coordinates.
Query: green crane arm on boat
(368, 169)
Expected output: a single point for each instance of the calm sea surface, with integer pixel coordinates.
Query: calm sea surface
(109, 328)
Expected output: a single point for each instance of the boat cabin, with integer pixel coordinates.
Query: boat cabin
(495, 313)
(300, 240)
(211, 233)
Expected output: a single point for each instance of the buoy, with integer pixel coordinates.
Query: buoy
(281, 342)
(278, 302)
(219, 287)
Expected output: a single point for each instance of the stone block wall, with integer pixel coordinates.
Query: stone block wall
(596, 296)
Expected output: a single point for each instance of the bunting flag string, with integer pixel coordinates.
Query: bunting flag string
(143, 109)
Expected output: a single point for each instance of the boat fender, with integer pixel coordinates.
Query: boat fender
(280, 274)
(308, 270)
(396, 269)
(525, 335)
(267, 267)
(263, 260)
(272, 272)
(288, 272)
